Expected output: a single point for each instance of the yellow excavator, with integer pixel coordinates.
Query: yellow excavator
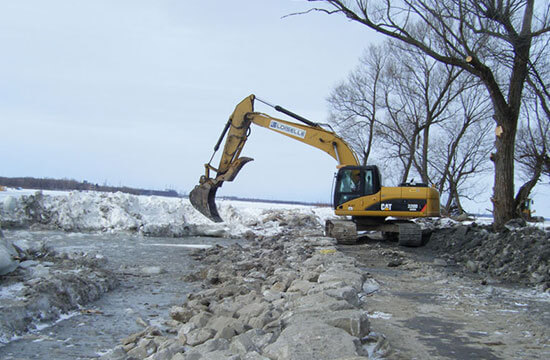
(359, 197)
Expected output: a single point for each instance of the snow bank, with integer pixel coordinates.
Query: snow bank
(149, 215)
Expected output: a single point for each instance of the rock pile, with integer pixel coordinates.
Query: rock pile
(275, 298)
(519, 254)
(45, 285)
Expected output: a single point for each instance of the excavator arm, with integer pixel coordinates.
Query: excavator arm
(236, 132)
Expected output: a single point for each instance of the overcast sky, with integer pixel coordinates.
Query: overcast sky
(137, 92)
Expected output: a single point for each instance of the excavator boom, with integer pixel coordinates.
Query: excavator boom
(236, 132)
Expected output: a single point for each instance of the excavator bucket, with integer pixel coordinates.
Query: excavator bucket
(203, 198)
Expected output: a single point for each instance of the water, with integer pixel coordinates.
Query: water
(116, 314)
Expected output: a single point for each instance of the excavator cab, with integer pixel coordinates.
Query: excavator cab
(353, 182)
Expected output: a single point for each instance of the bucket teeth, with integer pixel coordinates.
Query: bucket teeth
(203, 198)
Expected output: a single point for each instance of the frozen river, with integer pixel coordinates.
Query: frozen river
(143, 293)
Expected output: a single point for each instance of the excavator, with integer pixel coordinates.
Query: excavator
(360, 199)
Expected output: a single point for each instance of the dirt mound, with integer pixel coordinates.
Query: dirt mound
(519, 254)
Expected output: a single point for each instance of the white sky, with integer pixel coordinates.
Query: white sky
(137, 92)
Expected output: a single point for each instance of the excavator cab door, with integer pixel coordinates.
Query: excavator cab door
(355, 181)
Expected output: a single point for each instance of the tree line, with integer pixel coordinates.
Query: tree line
(459, 87)
(70, 184)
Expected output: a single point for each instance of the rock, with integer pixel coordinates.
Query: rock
(472, 266)
(145, 347)
(354, 322)
(320, 303)
(10, 203)
(515, 224)
(132, 338)
(200, 320)
(463, 217)
(167, 353)
(8, 255)
(212, 345)
(117, 353)
(312, 341)
(226, 327)
(28, 264)
(186, 329)
(271, 296)
(440, 262)
(181, 314)
(199, 336)
(142, 322)
(253, 356)
(301, 286)
(251, 341)
(260, 321)
(252, 310)
(152, 270)
(370, 286)
(395, 263)
(346, 293)
(347, 276)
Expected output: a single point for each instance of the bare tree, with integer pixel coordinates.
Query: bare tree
(533, 151)
(404, 100)
(461, 149)
(490, 39)
(354, 103)
(533, 141)
(417, 98)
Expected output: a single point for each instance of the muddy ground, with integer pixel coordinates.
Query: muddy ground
(432, 308)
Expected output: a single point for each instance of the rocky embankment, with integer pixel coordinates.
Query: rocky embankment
(519, 254)
(41, 286)
(282, 297)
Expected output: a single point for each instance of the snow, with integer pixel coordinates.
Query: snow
(113, 212)
(78, 211)
(187, 246)
(380, 315)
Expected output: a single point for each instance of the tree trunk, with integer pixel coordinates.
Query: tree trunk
(425, 144)
(503, 191)
(525, 189)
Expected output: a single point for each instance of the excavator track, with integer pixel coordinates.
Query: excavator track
(410, 234)
(344, 231)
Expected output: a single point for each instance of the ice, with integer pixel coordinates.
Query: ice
(84, 211)
(189, 246)
(380, 315)
(11, 291)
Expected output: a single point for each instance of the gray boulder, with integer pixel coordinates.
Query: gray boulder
(312, 341)
(8, 257)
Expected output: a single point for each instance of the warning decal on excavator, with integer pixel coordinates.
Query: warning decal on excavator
(287, 129)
